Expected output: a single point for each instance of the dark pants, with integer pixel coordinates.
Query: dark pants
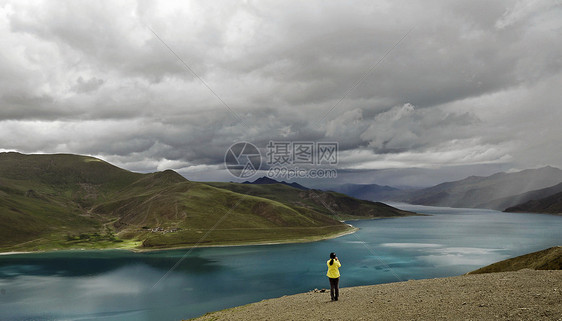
(334, 288)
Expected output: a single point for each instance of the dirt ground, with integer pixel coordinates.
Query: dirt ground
(521, 295)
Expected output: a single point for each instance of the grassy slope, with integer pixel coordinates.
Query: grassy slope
(195, 208)
(336, 205)
(71, 201)
(44, 197)
(549, 259)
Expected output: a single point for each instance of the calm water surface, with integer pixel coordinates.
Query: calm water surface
(120, 285)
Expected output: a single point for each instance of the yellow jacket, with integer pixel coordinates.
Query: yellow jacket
(333, 270)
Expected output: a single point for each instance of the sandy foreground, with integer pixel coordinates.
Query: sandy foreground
(522, 295)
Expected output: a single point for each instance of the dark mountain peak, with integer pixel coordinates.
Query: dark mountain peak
(263, 180)
(266, 180)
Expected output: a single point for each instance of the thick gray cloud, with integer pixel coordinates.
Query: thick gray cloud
(473, 85)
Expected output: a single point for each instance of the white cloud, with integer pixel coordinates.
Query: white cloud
(466, 87)
(521, 11)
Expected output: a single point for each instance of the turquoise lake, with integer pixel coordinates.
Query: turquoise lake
(121, 285)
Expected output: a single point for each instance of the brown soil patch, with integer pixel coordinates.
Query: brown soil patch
(521, 295)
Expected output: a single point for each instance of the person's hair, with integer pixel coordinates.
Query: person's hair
(332, 256)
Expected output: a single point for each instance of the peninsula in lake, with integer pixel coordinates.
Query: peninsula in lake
(65, 201)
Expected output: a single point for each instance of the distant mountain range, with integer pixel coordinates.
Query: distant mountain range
(550, 205)
(531, 190)
(71, 201)
(537, 196)
(497, 191)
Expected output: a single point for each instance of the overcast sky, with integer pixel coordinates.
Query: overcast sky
(432, 90)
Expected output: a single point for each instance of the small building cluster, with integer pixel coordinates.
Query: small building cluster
(163, 230)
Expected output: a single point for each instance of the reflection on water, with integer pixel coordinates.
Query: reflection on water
(119, 285)
(97, 262)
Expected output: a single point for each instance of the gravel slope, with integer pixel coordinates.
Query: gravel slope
(522, 295)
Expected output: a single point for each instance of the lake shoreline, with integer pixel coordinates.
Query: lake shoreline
(137, 250)
(188, 247)
(288, 241)
(21, 252)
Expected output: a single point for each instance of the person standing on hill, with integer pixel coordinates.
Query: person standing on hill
(334, 276)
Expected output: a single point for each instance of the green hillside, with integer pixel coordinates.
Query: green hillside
(43, 196)
(549, 259)
(69, 201)
(339, 206)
